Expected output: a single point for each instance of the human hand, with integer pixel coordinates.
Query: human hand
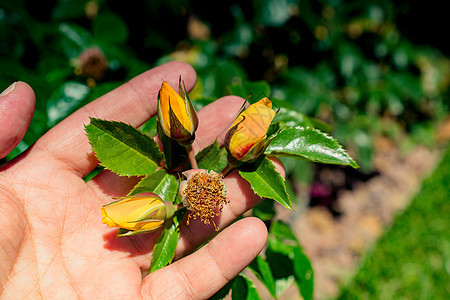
(52, 243)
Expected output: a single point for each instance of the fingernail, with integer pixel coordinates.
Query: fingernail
(8, 90)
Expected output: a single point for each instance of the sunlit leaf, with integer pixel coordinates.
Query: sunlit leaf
(212, 158)
(122, 148)
(161, 183)
(311, 144)
(267, 182)
(165, 246)
(261, 268)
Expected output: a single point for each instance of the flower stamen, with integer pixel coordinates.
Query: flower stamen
(202, 194)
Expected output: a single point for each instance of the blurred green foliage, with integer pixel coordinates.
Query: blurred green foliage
(348, 64)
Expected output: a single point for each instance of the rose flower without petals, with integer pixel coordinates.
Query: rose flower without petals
(137, 214)
(201, 193)
(246, 139)
(176, 115)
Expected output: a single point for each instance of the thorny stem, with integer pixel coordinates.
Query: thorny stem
(191, 157)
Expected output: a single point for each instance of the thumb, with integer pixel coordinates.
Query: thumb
(16, 110)
(201, 274)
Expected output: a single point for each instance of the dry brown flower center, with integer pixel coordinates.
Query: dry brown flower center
(205, 192)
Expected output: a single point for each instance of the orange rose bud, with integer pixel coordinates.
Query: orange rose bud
(137, 214)
(176, 114)
(246, 138)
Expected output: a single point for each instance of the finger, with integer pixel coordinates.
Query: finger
(16, 110)
(214, 121)
(201, 274)
(242, 198)
(133, 102)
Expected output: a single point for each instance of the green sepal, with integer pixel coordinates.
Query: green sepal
(154, 214)
(189, 106)
(174, 153)
(127, 232)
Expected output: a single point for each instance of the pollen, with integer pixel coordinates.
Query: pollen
(203, 193)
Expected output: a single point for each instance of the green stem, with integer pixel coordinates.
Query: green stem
(191, 157)
(228, 169)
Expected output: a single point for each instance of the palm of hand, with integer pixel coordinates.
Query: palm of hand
(52, 243)
(57, 248)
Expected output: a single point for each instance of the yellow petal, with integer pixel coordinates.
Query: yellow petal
(106, 219)
(178, 105)
(125, 213)
(252, 125)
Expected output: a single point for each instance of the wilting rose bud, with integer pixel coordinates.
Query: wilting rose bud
(246, 139)
(137, 214)
(201, 193)
(176, 115)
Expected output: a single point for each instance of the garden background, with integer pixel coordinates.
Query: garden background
(374, 74)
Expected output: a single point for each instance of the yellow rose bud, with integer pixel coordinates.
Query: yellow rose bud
(246, 138)
(177, 117)
(137, 214)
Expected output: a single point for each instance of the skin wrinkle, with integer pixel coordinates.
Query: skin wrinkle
(22, 242)
(144, 100)
(184, 279)
(35, 261)
(57, 256)
(43, 150)
(214, 261)
(69, 277)
(60, 251)
(12, 274)
(186, 240)
(13, 261)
